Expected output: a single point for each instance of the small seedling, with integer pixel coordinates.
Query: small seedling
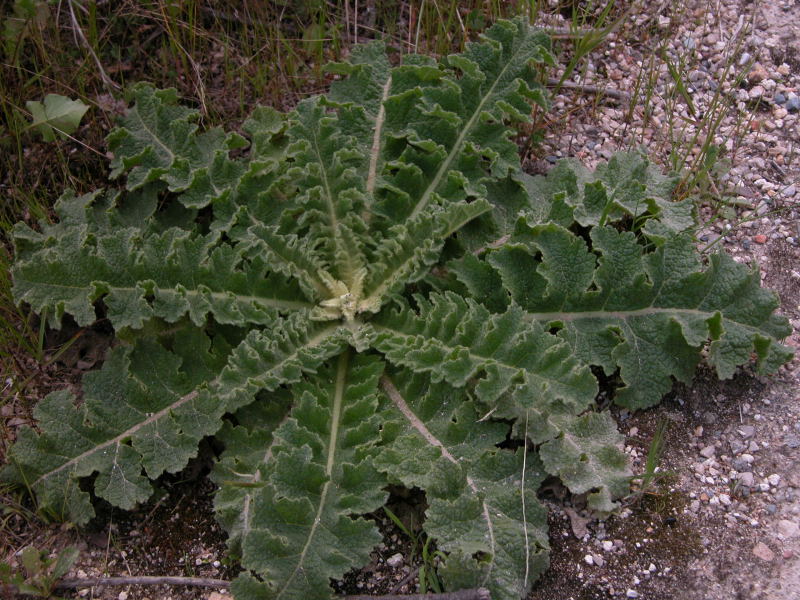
(56, 115)
(40, 573)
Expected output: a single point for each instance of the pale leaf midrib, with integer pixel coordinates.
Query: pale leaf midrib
(419, 426)
(310, 343)
(375, 151)
(153, 136)
(118, 438)
(243, 298)
(336, 233)
(551, 382)
(624, 315)
(298, 270)
(456, 149)
(397, 273)
(336, 412)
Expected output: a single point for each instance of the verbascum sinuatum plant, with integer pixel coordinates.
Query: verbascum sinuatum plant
(369, 291)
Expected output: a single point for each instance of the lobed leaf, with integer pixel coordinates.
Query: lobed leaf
(648, 312)
(483, 509)
(457, 340)
(141, 274)
(305, 527)
(142, 414)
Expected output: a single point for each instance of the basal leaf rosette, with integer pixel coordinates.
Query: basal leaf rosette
(368, 290)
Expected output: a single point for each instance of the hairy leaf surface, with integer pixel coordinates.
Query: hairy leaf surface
(647, 311)
(303, 527)
(483, 507)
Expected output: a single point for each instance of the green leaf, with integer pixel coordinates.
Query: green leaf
(158, 141)
(244, 466)
(141, 274)
(365, 291)
(57, 115)
(305, 527)
(648, 312)
(588, 457)
(457, 341)
(141, 414)
(483, 509)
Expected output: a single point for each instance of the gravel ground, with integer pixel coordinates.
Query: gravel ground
(724, 521)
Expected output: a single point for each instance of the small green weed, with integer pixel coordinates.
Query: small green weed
(421, 552)
(40, 573)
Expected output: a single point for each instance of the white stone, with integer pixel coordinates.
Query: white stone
(395, 560)
(746, 479)
(631, 594)
(608, 545)
(588, 559)
(774, 479)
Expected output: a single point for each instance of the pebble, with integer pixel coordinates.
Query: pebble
(588, 559)
(122, 596)
(748, 431)
(631, 593)
(395, 560)
(760, 239)
(779, 98)
(762, 551)
(793, 104)
(708, 451)
(757, 74)
(740, 465)
(774, 479)
(608, 545)
(746, 478)
(788, 529)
